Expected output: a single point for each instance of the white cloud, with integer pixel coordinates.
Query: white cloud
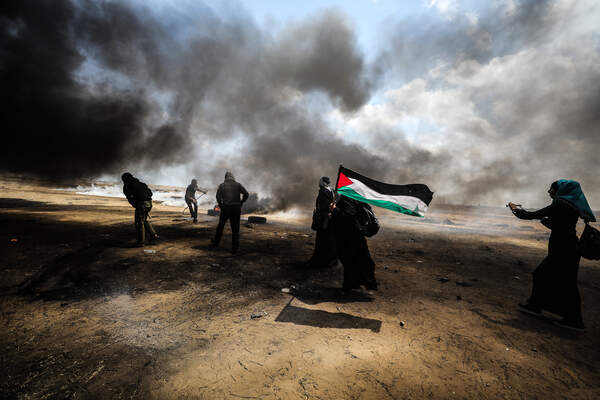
(446, 7)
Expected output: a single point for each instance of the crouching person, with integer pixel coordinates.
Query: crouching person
(140, 197)
(228, 198)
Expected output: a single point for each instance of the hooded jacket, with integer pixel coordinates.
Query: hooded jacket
(229, 192)
(135, 190)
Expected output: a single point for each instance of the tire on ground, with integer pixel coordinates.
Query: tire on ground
(257, 220)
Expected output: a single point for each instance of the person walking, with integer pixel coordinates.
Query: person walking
(324, 254)
(351, 245)
(228, 199)
(140, 197)
(555, 279)
(190, 199)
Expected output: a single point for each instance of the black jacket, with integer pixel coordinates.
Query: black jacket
(190, 192)
(324, 199)
(229, 193)
(136, 191)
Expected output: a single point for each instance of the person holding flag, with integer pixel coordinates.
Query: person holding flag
(353, 219)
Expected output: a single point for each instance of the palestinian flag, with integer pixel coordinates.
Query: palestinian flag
(410, 199)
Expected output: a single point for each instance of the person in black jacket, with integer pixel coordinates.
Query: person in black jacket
(190, 199)
(140, 197)
(351, 245)
(555, 279)
(324, 254)
(228, 198)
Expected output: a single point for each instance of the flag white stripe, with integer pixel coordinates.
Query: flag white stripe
(405, 201)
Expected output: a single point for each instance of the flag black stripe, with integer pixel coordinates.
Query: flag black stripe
(417, 190)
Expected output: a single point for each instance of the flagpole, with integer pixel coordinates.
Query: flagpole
(338, 178)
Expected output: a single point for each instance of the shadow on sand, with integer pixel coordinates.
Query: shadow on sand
(324, 319)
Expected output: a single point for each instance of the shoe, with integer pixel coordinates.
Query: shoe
(214, 244)
(195, 221)
(530, 309)
(155, 238)
(574, 326)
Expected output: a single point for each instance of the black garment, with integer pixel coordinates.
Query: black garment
(190, 199)
(352, 249)
(136, 191)
(190, 191)
(228, 197)
(325, 253)
(140, 197)
(555, 279)
(229, 193)
(231, 213)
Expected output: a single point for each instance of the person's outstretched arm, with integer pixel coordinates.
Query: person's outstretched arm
(539, 214)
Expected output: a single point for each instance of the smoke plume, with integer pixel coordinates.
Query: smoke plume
(96, 87)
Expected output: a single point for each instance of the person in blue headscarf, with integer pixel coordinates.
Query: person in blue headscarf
(555, 279)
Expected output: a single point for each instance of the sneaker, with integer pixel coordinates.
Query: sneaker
(530, 309)
(574, 326)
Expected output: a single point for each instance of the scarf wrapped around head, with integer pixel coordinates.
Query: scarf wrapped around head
(324, 182)
(571, 192)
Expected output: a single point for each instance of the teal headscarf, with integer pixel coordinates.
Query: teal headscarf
(571, 191)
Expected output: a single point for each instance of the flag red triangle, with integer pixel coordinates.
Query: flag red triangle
(343, 181)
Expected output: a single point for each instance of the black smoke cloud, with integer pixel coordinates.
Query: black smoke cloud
(95, 87)
(224, 76)
(218, 78)
(55, 126)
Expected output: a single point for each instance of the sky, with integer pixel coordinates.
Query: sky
(485, 102)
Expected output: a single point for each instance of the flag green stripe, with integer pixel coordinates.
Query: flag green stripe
(348, 192)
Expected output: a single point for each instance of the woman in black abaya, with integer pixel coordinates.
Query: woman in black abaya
(324, 254)
(555, 279)
(352, 249)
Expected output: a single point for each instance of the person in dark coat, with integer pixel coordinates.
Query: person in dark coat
(324, 254)
(555, 279)
(140, 197)
(228, 198)
(351, 245)
(190, 199)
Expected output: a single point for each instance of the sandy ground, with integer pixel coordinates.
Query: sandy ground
(85, 315)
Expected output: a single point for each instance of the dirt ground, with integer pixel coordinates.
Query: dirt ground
(86, 315)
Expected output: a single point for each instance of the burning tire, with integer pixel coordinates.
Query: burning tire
(214, 212)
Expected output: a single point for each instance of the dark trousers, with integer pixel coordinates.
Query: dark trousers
(142, 224)
(231, 213)
(193, 207)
